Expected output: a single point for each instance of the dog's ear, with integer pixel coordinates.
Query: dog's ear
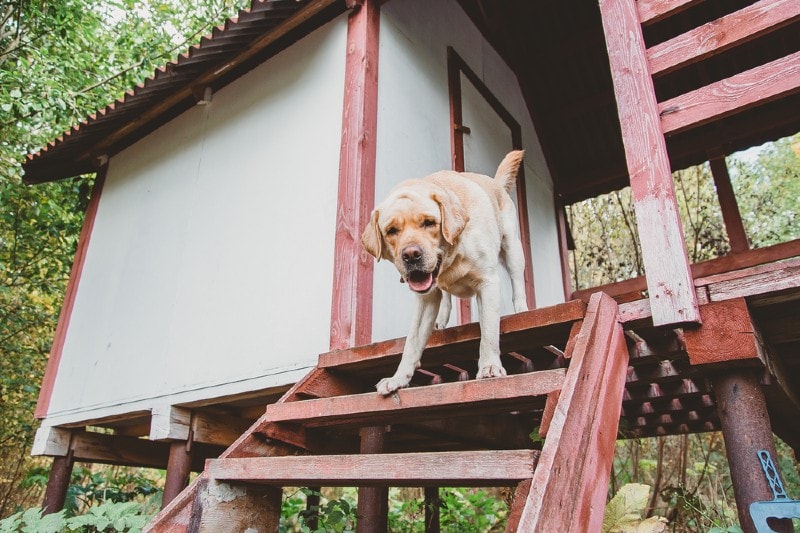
(371, 239)
(454, 216)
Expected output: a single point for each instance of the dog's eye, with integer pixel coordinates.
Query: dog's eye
(392, 231)
(428, 223)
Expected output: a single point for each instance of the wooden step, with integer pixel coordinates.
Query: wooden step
(518, 393)
(539, 327)
(467, 468)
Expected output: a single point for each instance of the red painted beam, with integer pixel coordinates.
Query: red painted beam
(351, 307)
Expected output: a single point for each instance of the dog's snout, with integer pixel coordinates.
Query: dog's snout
(412, 254)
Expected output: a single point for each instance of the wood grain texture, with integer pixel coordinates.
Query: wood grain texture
(722, 34)
(757, 86)
(669, 281)
(651, 11)
(351, 306)
(222, 507)
(727, 334)
(579, 448)
(472, 468)
(462, 397)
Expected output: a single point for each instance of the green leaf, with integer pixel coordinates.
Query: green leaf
(626, 507)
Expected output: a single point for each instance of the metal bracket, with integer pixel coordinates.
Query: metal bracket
(780, 506)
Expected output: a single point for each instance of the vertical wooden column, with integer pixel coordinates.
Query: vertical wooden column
(669, 279)
(563, 246)
(373, 502)
(745, 426)
(57, 484)
(727, 202)
(179, 466)
(351, 308)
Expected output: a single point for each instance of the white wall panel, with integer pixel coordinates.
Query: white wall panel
(414, 134)
(210, 265)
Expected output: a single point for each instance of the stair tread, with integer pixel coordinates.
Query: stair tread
(543, 326)
(518, 392)
(476, 468)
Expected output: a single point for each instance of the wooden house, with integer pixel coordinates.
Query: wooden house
(220, 255)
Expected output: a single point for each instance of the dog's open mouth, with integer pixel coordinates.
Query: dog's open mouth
(420, 281)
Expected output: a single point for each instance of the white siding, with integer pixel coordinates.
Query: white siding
(414, 135)
(210, 266)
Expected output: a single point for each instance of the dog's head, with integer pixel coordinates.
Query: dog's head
(414, 227)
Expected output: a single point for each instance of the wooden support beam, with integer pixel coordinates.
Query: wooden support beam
(57, 484)
(518, 392)
(179, 466)
(351, 307)
(754, 87)
(669, 280)
(746, 428)
(731, 216)
(462, 468)
(373, 501)
(432, 514)
(206, 426)
(579, 448)
(722, 34)
(727, 334)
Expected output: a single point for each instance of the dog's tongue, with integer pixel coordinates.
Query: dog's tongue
(420, 281)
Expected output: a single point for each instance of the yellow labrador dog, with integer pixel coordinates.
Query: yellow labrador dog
(448, 233)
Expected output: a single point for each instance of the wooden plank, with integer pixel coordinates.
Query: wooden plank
(518, 392)
(471, 468)
(726, 264)
(722, 34)
(727, 334)
(652, 11)
(546, 323)
(570, 484)
(669, 280)
(767, 282)
(747, 272)
(65, 315)
(757, 86)
(351, 306)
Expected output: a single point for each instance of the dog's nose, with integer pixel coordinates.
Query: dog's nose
(412, 254)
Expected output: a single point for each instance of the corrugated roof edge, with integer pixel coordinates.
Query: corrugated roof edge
(232, 49)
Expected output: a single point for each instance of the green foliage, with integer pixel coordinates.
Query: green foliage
(107, 516)
(60, 60)
(625, 513)
(462, 510)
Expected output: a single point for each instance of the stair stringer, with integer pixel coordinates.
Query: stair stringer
(570, 483)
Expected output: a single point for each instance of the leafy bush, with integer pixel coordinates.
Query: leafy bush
(108, 517)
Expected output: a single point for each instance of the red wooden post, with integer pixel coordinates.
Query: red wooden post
(745, 425)
(179, 465)
(373, 502)
(64, 316)
(57, 484)
(351, 308)
(669, 280)
(727, 202)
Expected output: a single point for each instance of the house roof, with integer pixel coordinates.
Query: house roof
(230, 51)
(556, 48)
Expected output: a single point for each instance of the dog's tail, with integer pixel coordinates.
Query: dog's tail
(509, 168)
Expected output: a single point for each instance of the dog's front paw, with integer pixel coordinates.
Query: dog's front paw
(386, 386)
(491, 371)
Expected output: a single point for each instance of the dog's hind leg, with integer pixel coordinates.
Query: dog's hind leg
(445, 307)
(421, 327)
(513, 258)
(489, 364)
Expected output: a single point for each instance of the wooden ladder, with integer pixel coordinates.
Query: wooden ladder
(454, 432)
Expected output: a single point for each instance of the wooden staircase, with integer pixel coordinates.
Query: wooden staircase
(567, 367)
